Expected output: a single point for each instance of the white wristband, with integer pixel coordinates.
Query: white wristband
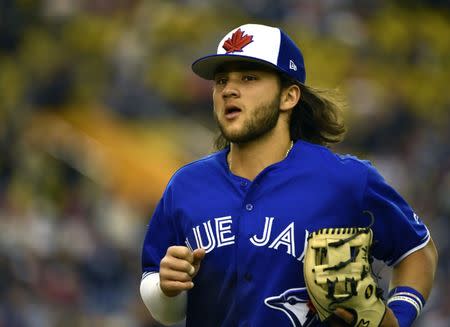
(166, 310)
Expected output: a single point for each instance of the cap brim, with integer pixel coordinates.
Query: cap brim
(206, 67)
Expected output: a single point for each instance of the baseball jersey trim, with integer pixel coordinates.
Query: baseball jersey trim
(417, 248)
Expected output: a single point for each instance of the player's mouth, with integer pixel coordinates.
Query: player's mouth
(232, 111)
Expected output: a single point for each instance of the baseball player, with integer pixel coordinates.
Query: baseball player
(226, 243)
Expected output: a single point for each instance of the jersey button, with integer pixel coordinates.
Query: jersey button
(248, 277)
(244, 185)
(249, 207)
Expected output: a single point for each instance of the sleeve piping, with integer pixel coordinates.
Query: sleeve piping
(414, 249)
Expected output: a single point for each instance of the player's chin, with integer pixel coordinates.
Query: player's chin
(238, 138)
(232, 131)
(233, 128)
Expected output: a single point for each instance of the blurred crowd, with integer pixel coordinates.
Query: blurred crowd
(98, 107)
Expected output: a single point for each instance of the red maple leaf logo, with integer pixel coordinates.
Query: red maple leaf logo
(237, 41)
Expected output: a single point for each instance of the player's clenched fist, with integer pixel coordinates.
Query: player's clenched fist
(177, 269)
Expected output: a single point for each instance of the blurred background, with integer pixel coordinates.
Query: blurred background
(98, 107)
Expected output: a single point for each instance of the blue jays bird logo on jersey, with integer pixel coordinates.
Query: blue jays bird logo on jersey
(294, 303)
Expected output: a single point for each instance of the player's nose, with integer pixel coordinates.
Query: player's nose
(231, 89)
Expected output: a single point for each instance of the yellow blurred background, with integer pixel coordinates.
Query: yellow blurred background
(99, 107)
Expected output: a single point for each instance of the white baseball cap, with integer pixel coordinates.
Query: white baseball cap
(255, 43)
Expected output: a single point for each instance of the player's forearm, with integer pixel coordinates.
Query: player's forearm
(411, 284)
(164, 309)
(417, 270)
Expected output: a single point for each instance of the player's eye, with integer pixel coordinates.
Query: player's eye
(248, 78)
(220, 80)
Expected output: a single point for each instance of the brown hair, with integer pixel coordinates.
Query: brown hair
(317, 117)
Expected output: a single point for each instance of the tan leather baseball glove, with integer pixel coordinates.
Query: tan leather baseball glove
(338, 273)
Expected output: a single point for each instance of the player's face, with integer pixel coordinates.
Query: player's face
(246, 102)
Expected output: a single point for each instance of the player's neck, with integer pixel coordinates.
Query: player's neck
(249, 159)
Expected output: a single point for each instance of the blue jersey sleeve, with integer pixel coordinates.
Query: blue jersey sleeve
(161, 234)
(398, 231)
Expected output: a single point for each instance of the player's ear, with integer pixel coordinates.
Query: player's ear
(289, 97)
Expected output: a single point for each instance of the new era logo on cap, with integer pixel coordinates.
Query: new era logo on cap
(292, 65)
(255, 43)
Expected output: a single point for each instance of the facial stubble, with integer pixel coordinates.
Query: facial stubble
(264, 120)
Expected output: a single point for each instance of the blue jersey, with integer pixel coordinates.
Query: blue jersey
(254, 232)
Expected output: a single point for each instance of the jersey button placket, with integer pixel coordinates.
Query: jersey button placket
(247, 275)
(249, 210)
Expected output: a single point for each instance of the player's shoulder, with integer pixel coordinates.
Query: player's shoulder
(206, 166)
(323, 153)
(330, 161)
